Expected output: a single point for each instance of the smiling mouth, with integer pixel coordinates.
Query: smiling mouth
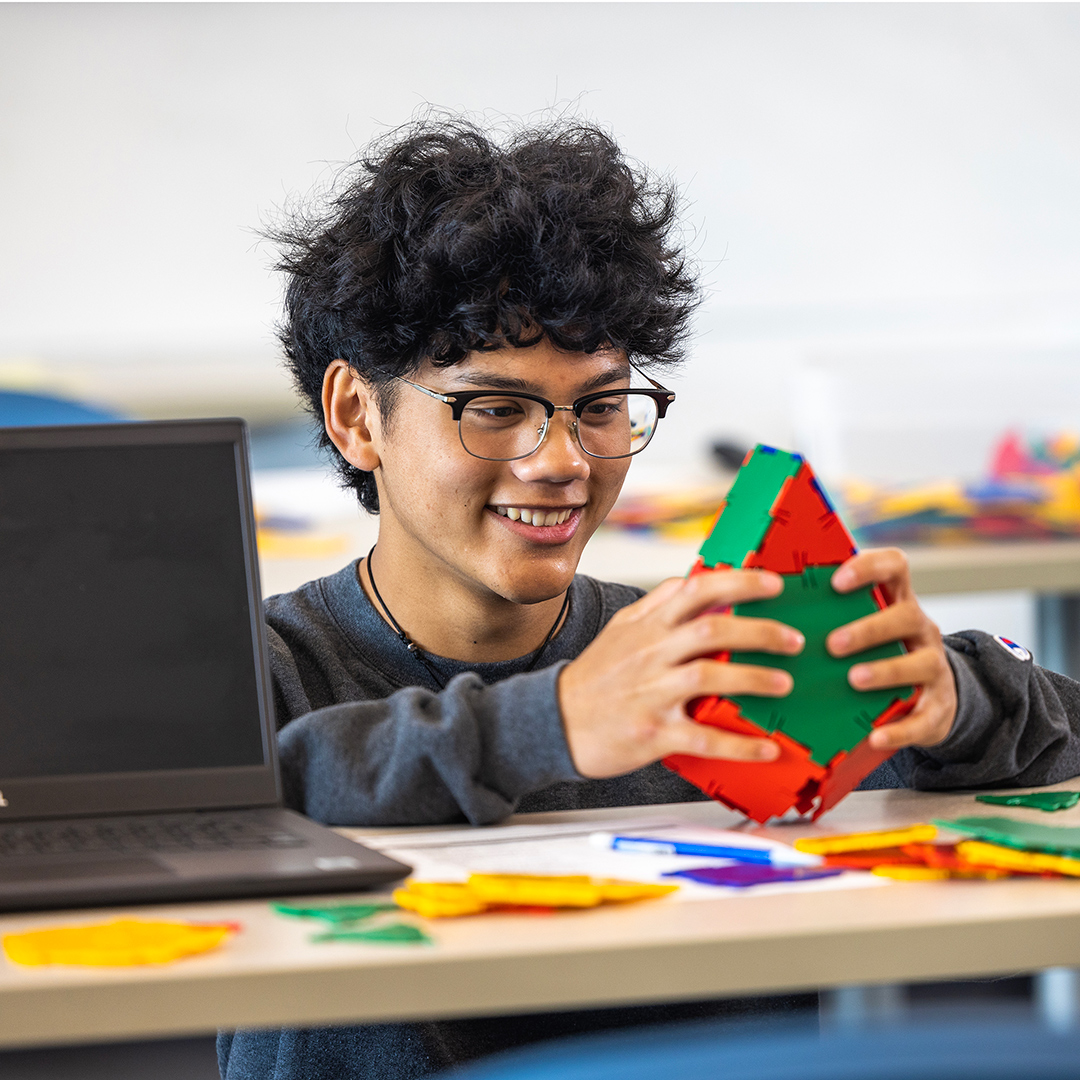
(535, 516)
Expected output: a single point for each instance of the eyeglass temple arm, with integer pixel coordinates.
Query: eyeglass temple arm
(433, 393)
(652, 382)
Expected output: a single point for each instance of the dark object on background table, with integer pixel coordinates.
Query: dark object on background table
(728, 455)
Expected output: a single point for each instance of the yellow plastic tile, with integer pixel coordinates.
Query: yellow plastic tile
(982, 854)
(122, 943)
(866, 841)
(439, 907)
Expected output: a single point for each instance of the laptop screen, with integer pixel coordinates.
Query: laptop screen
(126, 640)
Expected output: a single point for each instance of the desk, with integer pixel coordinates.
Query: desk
(496, 964)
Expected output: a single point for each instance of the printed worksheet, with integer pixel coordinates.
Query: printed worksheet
(453, 854)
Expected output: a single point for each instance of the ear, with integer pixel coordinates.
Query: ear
(351, 416)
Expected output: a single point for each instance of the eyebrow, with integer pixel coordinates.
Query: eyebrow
(489, 380)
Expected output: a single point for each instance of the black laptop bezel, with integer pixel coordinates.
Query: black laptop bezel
(161, 790)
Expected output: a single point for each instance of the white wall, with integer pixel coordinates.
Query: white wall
(860, 177)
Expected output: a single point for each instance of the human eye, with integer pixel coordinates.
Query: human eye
(494, 411)
(604, 410)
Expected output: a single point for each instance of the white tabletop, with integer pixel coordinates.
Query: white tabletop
(271, 974)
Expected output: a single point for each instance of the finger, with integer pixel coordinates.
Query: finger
(655, 598)
(899, 622)
(710, 634)
(912, 669)
(920, 728)
(718, 589)
(887, 566)
(705, 678)
(704, 740)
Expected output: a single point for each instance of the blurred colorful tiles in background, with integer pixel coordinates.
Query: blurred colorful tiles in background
(1031, 491)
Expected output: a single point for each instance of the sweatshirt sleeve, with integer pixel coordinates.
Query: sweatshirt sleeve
(419, 757)
(1017, 724)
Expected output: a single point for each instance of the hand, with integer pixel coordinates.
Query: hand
(925, 663)
(624, 698)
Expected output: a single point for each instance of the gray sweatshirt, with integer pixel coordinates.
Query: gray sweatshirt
(367, 738)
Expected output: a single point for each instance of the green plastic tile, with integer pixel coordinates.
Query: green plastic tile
(1024, 835)
(394, 934)
(1048, 801)
(823, 712)
(334, 913)
(745, 520)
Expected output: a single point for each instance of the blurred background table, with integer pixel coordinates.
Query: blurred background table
(1050, 570)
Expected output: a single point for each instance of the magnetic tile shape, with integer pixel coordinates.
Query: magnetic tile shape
(1047, 801)
(746, 514)
(823, 712)
(847, 771)
(1023, 835)
(778, 517)
(805, 530)
(743, 877)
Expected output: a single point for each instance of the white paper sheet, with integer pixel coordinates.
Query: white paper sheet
(452, 854)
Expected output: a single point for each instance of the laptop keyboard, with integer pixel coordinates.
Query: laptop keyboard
(171, 833)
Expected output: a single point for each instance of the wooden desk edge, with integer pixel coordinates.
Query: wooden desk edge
(648, 973)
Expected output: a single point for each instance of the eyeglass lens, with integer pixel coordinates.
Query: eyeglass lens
(502, 427)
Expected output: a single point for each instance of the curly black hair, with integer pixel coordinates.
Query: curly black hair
(440, 240)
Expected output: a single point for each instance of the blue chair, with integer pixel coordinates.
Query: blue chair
(992, 1047)
(18, 409)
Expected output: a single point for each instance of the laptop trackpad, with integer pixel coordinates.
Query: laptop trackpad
(82, 869)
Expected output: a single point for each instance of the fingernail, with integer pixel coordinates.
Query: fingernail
(844, 578)
(768, 751)
(794, 640)
(773, 582)
(839, 639)
(782, 682)
(859, 675)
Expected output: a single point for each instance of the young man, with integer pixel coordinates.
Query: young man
(470, 323)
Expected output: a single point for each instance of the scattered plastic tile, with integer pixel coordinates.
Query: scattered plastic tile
(867, 859)
(866, 841)
(1035, 800)
(938, 873)
(335, 913)
(394, 934)
(1023, 835)
(745, 875)
(120, 943)
(520, 892)
(979, 853)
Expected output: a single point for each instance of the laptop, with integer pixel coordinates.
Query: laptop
(137, 749)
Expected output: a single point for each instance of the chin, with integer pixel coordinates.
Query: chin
(536, 587)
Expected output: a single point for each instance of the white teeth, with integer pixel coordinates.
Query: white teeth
(534, 517)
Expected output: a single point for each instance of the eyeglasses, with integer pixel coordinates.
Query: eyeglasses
(498, 426)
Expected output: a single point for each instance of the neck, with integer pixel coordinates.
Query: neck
(446, 617)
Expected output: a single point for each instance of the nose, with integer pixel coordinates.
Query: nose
(559, 457)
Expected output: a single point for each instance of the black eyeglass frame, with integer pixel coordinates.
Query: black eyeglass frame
(459, 399)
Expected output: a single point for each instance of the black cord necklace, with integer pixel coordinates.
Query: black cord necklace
(419, 653)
